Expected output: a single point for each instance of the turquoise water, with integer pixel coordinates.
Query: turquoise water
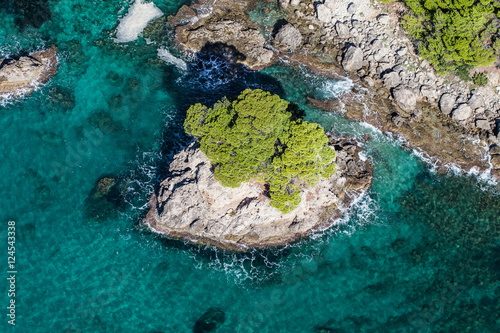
(419, 253)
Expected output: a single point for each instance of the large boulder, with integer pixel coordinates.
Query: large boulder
(352, 59)
(342, 30)
(289, 37)
(247, 41)
(23, 74)
(405, 98)
(324, 13)
(483, 124)
(391, 80)
(476, 101)
(447, 103)
(462, 112)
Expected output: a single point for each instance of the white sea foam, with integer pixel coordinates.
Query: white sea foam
(137, 18)
(166, 56)
(333, 89)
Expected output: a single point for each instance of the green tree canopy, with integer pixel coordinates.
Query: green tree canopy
(255, 137)
(454, 33)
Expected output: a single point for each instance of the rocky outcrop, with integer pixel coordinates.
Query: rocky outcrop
(21, 75)
(227, 25)
(447, 103)
(353, 59)
(288, 37)
(191, 204)
(405, 98)
(462, 112)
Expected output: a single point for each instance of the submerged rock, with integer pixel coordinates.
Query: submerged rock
(210, 321)
(106, 198)
(191, 204)
(21, 75)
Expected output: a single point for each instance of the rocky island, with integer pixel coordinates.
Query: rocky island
(258, 177)
(21, 75)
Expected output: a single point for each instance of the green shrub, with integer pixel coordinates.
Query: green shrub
(454, 33)
(463, 73)
(480, 79)
(255, 137)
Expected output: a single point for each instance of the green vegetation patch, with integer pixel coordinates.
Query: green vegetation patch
(255, 136)
(480, 79)
(454, 34)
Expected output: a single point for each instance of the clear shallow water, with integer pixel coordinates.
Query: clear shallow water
(419, 253)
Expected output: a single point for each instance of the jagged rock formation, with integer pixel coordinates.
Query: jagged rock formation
(22, 75)
(227, 24)
(191, 204)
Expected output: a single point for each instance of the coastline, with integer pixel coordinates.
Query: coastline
(404, 101)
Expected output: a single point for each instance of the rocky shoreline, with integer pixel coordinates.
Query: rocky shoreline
(394, 89)
(190, 204)
(21, 75)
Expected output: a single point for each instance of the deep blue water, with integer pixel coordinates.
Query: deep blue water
(419, 253)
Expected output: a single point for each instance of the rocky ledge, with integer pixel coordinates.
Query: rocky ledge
(21, 75)
(190, 204)
(223, 23)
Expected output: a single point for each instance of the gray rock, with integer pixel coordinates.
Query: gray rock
(428, 92)
(284, 4)
(295, 3)
(495, 150)
(376, 43)
(289, 37)
(352, 59)
(323, 13)
(248, 41)
(391, 80)
(402, 51)
(476, 101)
(351, 8)
(383, 19)
(405, 98)
(483, 124)
(447, 103)
(462, 112)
